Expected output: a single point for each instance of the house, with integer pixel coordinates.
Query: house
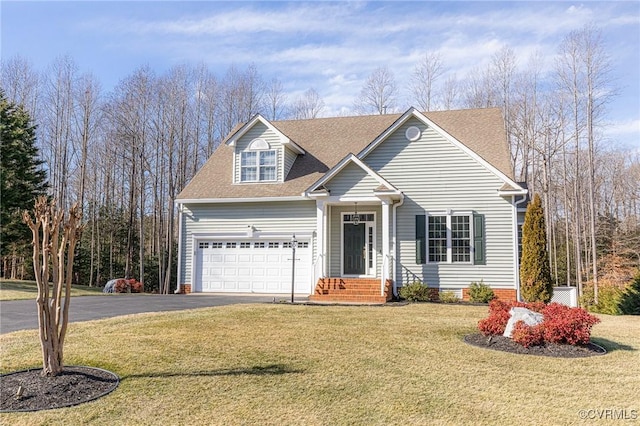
(374, 203)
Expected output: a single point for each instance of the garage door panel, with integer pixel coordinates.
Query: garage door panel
(251, 266)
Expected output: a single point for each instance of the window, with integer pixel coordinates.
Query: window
(460, 239)
(258, 245)
(216, 245)
(245, 245)
(203, 245)
(258, 166)
(274, 244)
(437, 238)
(452, 238)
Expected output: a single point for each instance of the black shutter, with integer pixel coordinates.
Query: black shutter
(479, 257)
(421, 239)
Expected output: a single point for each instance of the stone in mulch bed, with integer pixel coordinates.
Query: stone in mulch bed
(505, 344)
(75, 385)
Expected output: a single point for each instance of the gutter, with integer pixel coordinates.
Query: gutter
(515, 243)
(238, 200)
(179, 273)
(395, 247)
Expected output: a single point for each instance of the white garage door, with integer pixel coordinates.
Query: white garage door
(250, 266)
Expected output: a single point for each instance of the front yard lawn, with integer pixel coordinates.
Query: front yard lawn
(329, 365)
(19, 290)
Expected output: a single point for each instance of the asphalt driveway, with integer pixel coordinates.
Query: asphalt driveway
(21, 314)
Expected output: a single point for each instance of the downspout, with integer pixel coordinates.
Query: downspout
(516, 259)
(179, 274)
(393, 241)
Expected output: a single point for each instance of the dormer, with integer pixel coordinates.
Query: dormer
(261, 153)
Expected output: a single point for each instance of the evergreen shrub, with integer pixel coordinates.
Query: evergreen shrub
(448, 296)
(630, 299)
(480, 292)
(415, 292)
(535, 273)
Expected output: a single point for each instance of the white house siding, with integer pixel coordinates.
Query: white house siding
(277, 217)
(260, 131)
(434, 176)
(352, 181)
(335, 235)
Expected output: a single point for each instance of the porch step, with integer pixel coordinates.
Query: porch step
(353, 290)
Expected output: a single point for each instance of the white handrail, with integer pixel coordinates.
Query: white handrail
(385, 273)
(318, 262)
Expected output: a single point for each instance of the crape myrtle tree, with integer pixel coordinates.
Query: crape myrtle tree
(535, 274)
(55, 234)
(21, 181)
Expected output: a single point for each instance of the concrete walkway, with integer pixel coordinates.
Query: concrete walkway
(21, 314)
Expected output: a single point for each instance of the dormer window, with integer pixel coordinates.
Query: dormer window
(258, 164)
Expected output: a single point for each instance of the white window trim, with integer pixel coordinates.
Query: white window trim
(369, 272)
(448, 214)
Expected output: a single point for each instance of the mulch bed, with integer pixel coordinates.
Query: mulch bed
(75, 385)
(505, 344)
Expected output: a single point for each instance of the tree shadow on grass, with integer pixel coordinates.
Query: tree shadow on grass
(257, 370)
(610, 345)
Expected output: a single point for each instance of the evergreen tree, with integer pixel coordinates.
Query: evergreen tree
(21, 177)
(535, 274)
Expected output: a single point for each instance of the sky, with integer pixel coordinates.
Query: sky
(329, 46)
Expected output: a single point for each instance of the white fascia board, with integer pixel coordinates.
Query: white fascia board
(384, 135)
(513, 192)
(412, 112)
(258, 118)
(238, 200)
(341, 199)
(350, 158)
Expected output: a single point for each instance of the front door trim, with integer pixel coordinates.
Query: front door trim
(370, 244)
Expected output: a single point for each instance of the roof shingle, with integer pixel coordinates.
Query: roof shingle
(328, 140)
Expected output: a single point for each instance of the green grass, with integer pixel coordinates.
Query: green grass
(20, 290)
(330, 365)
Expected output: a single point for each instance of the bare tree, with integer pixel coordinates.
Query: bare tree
(56, 125)
(20, 82)
(54, 239)
(276, 100)
(309, 105)
(379, 93)
(424, 78)
(450, 92)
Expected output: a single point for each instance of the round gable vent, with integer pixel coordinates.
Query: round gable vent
(413, 133)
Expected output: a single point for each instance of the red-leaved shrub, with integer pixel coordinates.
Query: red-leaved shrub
(561, 324)
(499, 315)
(128, 286)
(527, 335)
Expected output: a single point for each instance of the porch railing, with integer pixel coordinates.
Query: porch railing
(317, 268)
(387, 264)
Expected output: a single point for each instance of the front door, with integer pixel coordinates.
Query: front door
(354, 249)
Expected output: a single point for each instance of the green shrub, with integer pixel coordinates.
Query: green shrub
(630, 298)
(448, 296)
(535, 273)
(609, 299)
(415, 292)
(480, 292)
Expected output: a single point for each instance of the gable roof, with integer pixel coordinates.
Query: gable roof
(383, 186)
(327, 141)
(244, 128)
